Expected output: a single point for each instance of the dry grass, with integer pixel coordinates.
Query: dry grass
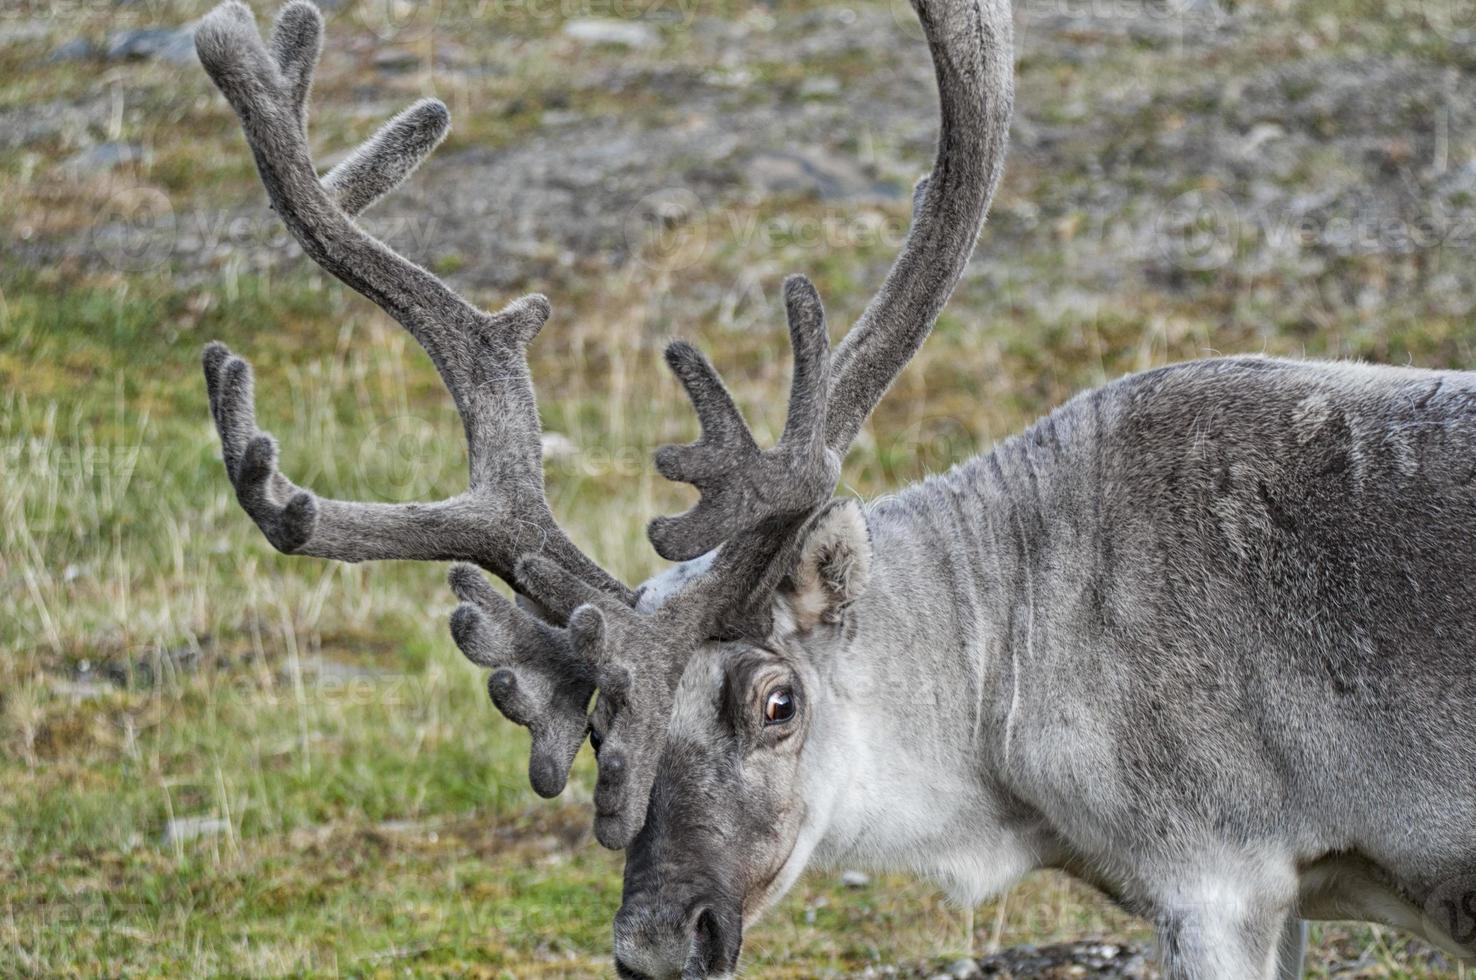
(160, 662)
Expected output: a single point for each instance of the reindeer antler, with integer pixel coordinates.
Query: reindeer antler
(480, 356)
(740, 484)
(751, 500)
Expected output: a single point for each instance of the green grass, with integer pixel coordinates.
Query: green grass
(377, 819)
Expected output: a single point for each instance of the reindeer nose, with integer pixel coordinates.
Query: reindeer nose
(661, 941)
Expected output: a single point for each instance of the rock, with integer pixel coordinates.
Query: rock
(963, 969)
(80, 690)
(329, 672)
(814, 170)
(24, 32)
(189, 828)
(821, 86)
(1095, 959)
(77, 49)
(102, 157)
(175, 46)
(623, 33)
(855, 879)
(393, 61)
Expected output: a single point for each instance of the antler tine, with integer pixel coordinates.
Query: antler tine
(740, 484)
(636, 675)
(296, 521)
(537, 680)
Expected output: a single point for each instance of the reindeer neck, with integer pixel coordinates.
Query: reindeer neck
(959, 583)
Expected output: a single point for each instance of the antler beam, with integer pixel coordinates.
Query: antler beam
(481, 357)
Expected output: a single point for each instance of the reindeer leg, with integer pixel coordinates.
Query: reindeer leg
(1292, 949)
(1228, 932)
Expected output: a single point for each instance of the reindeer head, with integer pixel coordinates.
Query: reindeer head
(701, 722)
(741, 785)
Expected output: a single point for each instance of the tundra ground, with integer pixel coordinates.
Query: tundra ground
(216, 760)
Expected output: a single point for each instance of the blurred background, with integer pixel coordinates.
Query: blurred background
(217, 760)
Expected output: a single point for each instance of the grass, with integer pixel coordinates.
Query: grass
(161, 663)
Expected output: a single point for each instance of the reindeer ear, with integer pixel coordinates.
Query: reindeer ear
(831, 570)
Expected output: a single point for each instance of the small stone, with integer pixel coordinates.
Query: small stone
(25, 32)
(77, 49)
(84, 689)
(822, 86)
(963, 969)
(814, 170)
(855, 879)
(393, 61)
(329, 672)
(102, 157)
(625, 34)
(173, 45)
(189, 828)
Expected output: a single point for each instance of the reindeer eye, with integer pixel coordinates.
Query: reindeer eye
(779, 708)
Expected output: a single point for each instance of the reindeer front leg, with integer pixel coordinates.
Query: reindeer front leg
(1237, 924)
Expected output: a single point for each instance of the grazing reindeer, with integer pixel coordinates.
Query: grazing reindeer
(1204, 637)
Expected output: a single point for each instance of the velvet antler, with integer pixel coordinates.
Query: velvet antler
(481, 358)
(751, 500)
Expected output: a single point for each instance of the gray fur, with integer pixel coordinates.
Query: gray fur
(754, 502)
(1204, 637)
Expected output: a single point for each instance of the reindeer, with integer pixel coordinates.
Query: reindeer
(1204, 637)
